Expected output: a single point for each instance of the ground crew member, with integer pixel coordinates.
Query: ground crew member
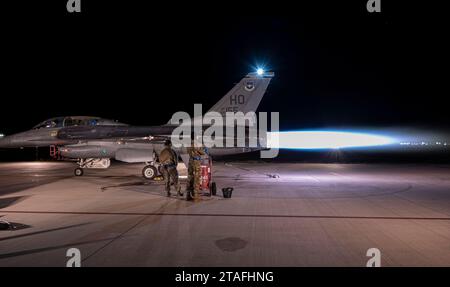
(168, 159)
(196, 154)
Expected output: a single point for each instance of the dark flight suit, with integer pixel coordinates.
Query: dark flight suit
(196, 154)
(169, 161)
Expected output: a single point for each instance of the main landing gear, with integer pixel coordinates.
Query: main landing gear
(149, 172)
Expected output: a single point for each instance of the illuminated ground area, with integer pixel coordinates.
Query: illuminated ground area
(312, 215)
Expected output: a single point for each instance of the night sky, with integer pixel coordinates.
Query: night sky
(335, 64)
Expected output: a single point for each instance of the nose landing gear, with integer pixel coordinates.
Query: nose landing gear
(98, 163)
(78, 171)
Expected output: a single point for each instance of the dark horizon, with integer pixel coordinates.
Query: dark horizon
(336, 65)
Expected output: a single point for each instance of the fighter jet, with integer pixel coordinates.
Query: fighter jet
(93, 141)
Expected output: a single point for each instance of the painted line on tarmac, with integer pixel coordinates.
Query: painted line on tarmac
(225, 215)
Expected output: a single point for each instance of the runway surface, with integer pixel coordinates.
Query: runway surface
(280, 214)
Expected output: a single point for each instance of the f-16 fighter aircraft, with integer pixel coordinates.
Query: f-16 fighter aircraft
(94, 141)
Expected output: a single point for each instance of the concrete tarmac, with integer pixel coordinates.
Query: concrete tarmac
(280, 214)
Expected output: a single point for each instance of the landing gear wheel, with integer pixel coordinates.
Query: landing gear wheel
(78, 171)
(213, 188)
(149, 172)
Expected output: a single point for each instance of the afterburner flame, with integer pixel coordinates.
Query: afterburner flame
(325, 140)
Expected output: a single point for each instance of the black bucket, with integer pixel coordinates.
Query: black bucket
(227, 191)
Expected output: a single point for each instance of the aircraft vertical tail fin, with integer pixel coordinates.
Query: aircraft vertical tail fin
(244, 96)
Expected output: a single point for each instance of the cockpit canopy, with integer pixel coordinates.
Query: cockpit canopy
(60, 122)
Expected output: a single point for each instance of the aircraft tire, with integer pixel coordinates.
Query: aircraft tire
(149, 172)
(78, 171)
